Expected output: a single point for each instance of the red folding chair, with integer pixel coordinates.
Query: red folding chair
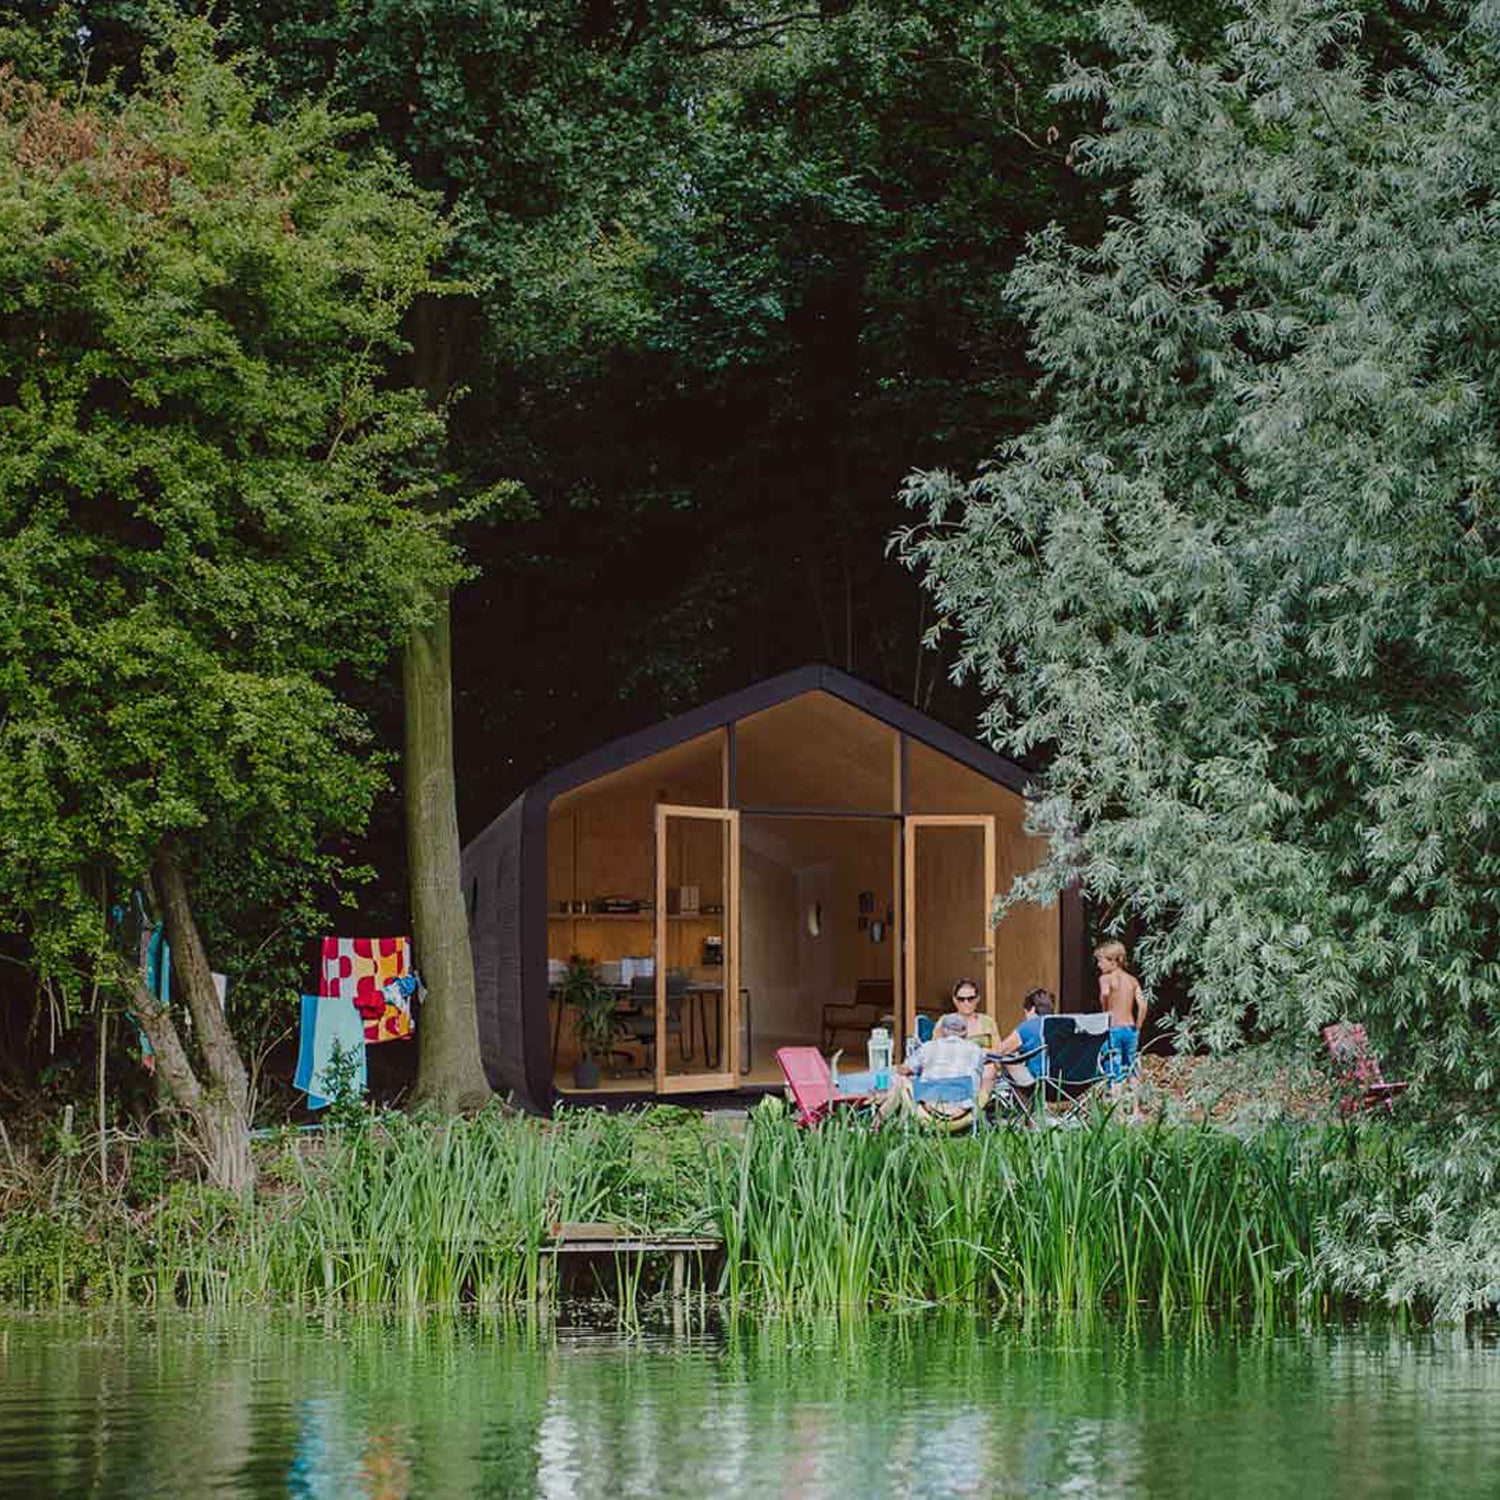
(810, 1082)
(1356, 1066)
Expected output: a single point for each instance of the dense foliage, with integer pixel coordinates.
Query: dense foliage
(838, 1219)
(1242, 581)
(210, 495)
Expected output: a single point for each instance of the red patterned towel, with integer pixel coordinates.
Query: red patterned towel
(358, 969)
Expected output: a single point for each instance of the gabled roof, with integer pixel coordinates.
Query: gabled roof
(871, 700)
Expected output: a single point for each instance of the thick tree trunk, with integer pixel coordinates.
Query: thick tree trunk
(449, 1075)
(220, 1106)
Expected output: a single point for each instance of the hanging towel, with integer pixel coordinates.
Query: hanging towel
(395, 1024)
(326, 1024)
(358, 970)
(156, 965)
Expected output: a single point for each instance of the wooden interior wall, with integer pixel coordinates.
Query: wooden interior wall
(1027, 942)
(769, 966)
(815, 751)
(601, 841)
(797, 861)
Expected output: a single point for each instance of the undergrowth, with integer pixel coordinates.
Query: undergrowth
(407, 1212)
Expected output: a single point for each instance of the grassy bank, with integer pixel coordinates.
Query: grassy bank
(419, 1214)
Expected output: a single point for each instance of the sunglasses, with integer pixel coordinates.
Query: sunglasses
(966, 995)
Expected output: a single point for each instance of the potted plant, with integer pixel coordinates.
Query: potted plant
(594, 1021)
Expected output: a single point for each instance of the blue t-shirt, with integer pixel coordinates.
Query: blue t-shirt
(1030, 1032)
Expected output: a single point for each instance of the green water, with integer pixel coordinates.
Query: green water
(273, 1405)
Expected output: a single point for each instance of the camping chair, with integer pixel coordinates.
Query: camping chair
(1074, 1063)
(872, 1003)
(1357, 1068)
(948, 1091)
(812, 1084)
(1012, 1098)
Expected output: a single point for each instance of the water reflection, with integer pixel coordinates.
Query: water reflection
(919, 1406)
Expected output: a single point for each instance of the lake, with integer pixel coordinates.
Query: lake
(260, 1405)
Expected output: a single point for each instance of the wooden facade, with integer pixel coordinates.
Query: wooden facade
(809, 840)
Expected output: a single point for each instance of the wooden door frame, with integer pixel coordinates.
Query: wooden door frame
(728, 1077)
(911, 825)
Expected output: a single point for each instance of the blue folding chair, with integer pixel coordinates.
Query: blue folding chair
(926, 1093)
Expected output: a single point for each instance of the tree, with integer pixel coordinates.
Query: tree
(1240, 583)
(539, 129)
(212, 515)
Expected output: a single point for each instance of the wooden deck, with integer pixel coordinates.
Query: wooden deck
(616, 1240)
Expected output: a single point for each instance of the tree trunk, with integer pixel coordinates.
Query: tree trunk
(449, 1075)
(221, 1110)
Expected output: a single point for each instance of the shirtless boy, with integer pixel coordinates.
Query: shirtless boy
(1120, 994)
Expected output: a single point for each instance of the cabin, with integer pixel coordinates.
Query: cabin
(790, 864)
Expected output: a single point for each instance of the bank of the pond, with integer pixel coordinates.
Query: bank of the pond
(409, 1213)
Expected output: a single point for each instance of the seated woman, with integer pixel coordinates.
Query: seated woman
(980, 1029)
(949, 1058)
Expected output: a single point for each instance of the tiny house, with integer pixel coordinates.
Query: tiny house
(773, 868)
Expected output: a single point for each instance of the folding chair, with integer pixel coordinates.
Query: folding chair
(812, 1085)
(1357, 1068)
(1075, 1046)
(948, 1091)
(1011, 1097)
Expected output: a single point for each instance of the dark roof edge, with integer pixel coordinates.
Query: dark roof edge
(761, 695)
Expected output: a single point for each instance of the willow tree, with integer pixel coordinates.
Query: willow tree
(209, 520)
(1240, 580)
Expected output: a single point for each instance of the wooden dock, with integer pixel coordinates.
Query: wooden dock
(615, 1240)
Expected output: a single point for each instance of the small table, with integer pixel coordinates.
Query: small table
(700, 990)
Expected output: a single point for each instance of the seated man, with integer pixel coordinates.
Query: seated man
(949, 1058)
(1025, 1038)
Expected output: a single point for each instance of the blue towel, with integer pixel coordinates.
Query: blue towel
(158, 970)
(327, 1023)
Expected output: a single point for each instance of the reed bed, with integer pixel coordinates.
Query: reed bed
(1075, 1219)
(420, 1214)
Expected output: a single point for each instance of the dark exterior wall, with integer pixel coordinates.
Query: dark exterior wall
(493, 884)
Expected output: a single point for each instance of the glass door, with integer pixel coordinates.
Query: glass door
(697, 1032)
(949, 892)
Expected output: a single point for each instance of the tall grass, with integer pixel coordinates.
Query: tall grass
(420, 1214)
(1064, 1218)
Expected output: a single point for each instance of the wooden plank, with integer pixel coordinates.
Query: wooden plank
(630, 1247)
(591, 1231)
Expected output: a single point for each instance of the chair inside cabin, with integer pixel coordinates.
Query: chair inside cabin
(873, 1004)
(638, 1023)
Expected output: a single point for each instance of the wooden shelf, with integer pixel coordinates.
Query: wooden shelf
(631, 916)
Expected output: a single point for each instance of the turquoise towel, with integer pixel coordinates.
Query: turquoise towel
(327, 1023)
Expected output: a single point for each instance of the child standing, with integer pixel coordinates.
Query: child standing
(1120, 994)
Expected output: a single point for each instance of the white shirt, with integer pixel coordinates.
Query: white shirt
(949, 1057)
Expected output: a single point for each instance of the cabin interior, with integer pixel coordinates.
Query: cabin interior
(858, 869)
